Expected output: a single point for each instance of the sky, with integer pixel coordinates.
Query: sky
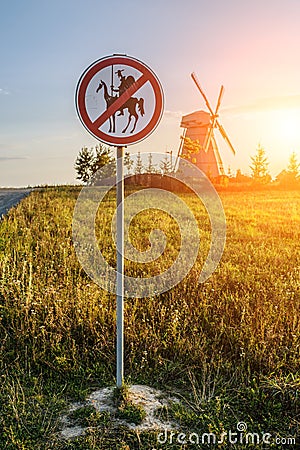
(252, 48)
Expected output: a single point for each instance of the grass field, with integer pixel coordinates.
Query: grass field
(230, 347)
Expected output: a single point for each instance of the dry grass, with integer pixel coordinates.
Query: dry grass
(235, 338)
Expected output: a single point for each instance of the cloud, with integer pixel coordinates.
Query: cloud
(11, 158)
(4, 91)
(266, 104)
(173, 114)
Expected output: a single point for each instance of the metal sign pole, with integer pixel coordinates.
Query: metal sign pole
(120, 266)
(152, 95)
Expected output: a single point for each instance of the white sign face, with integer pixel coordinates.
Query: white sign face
(119, 100)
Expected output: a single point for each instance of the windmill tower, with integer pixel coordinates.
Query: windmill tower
(200, 126)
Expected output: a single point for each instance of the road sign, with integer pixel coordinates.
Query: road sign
(119, 100)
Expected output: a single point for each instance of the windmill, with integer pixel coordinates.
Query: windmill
(200, 126)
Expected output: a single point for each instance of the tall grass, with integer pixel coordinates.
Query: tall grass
(233, 340)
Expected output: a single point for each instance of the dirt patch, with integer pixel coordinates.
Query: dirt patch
(151, 400)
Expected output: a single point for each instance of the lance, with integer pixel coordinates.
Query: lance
(112, 81)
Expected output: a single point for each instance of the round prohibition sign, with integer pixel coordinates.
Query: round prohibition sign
(122, 104)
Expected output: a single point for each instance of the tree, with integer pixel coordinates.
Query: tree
(190, 149)
(290, 176)
(166, 166)
(151, 168)
(83, 164)
(293, 166)
(229, 172)
(259, 167)
(89, 163)
(128, 162)
(104, 164)
(241, 178)
(139, 168)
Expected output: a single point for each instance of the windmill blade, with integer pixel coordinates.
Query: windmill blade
(214, 116)
(213, 122)
(210, 126)
(208, 137)
(180, 148)
(224, 135)
(196, 81)
(218, 156)
(219, 99)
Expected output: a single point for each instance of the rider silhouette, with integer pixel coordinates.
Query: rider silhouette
(125, 83)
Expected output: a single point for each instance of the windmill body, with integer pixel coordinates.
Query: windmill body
(196, 127)
(200, 126)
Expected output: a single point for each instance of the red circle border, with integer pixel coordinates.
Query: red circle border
(83, 83)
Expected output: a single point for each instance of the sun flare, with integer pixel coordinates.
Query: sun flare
(288, 126)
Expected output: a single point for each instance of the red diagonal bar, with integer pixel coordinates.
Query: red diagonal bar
(120, 101)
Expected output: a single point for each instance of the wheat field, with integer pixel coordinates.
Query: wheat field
(229, 346)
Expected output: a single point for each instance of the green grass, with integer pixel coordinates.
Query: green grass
(126, 408)
(229, 347)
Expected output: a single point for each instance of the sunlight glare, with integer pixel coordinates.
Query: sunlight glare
(289, 126)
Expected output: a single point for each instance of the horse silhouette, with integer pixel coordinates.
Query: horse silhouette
(130, 105)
